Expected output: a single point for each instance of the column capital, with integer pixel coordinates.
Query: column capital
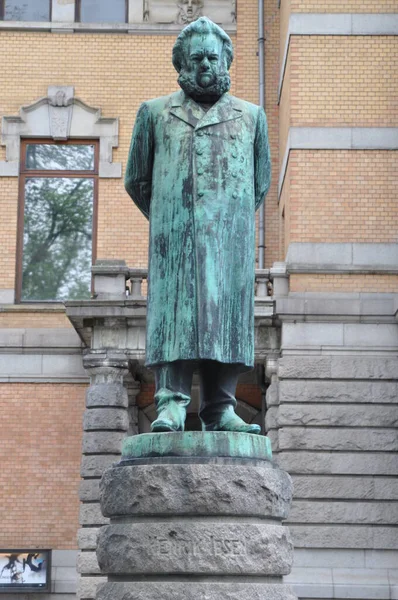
(107, 366)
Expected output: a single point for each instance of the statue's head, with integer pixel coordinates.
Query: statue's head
(202, 55)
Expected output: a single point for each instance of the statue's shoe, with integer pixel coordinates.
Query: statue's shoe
(163, 425)
(234, 424)
(170, 418)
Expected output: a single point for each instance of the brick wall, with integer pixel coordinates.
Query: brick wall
(343, 196)
(341, 6)
(40, 455)
(22, 320)
(344, 283)
(343, 81)
(8, 226)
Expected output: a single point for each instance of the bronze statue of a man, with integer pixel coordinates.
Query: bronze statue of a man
(198, 168)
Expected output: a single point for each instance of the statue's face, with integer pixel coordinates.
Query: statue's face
(204, 75)
(204, 59)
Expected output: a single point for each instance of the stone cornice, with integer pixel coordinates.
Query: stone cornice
(74, 27)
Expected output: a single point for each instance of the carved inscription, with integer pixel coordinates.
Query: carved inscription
(213, 546)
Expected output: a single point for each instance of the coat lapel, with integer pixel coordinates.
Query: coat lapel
(186, 109)
(223, 110)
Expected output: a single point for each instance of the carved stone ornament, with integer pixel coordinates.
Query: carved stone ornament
(60, 116)
(189, 10)
(182, 12)
(60, 100)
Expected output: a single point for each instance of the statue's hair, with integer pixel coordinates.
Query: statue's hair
(202, 25)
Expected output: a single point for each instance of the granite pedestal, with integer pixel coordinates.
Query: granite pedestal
(195, 516)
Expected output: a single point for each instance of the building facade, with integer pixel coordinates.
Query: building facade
(325, 387)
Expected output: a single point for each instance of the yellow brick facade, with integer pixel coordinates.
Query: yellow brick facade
(346, 81)
(344, 282)
(341, 6)
(343, 196)
(40, 455)
(23, 319)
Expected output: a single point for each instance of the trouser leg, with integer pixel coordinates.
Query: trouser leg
(173, 383)
(218, 383)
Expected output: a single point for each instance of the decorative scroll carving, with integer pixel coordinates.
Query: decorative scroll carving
(189, 10)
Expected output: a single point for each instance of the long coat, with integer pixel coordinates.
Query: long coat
(199, 177)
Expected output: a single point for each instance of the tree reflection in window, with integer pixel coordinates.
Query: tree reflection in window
(64, 157)
(57, 239)
(27, 10)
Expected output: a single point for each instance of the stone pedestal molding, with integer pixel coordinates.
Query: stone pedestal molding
(203, 527)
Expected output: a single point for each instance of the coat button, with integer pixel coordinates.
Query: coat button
(201, 194)
(234, 155)
(234, 195)
(199, 151)
(200, 171)
(234, 174)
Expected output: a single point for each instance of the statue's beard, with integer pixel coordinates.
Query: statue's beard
(221, 84)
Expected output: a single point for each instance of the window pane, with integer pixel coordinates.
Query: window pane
(27, 10)
(61, 157)
(103, 11)
(57, 242)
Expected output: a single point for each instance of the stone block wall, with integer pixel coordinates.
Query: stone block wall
(332, 415)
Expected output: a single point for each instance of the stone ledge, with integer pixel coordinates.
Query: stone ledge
(75, 27)
(337, 392)
(338, 463)
(338, 367)
(42, 367)
(339, 255)
(372, 537)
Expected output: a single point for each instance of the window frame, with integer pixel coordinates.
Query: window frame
(3, 12)
(24, 174)
(78, 12)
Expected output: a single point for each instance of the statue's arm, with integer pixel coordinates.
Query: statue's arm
(262, 159)
(138, 179)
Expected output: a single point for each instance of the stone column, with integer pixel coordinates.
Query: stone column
(195, 516)
(105, 424)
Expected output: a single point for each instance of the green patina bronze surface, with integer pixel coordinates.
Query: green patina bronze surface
(199, 167)
(197, 444)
